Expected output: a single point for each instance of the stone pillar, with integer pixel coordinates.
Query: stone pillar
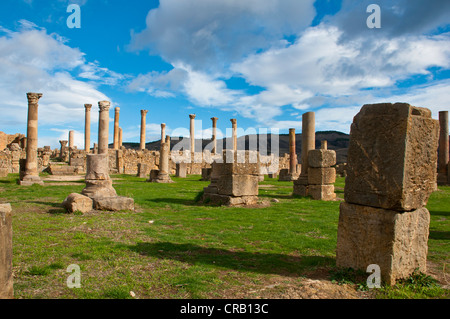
(6, 274)
(87, 127)
(63, 148)
(214, 135)
(120, 137)
(443, 158)
(391, 174)
(95, 150)
(143, 120)
(234, 133)
(103, 127)
(164, 170)
(192, 132)
(31, 174)
(116, 128)
(71, 139)
(308, 138)
(163, 132)
(292, 152)
(308, 144)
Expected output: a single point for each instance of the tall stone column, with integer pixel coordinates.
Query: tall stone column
(116, 128)
(143, 120)
(214, 134)
(234, 133)
(71, 139)
(163, 132)
(103, 126)
(87, 127)
(443, 158)
(292, 152)
(192, 132)
(308, 138)
(120, 137)
(31, 174)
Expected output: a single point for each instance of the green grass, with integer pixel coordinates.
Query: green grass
(175, 247)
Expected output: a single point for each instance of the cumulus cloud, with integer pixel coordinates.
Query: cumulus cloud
(209, 35)
(31, 60)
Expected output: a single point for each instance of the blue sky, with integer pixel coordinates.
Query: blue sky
(264, 62)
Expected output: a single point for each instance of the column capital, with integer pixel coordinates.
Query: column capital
(214, 119)
(117, 109)
(63, 143)
(104, 105)
(292, 130)
(33, 97)
(233, 121)
(192, 116)
(144, 112)
(88, 107)
(163, 125)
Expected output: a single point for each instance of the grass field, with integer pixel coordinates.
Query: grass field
(175, 247)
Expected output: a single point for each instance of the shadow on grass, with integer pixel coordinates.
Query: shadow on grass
(171, 200)
(263, 263)
(440, 213)
(439, 235)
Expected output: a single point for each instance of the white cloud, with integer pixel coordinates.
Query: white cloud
(31, 60)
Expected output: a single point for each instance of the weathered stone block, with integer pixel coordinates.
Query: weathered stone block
(77, 202)
(6, 274)
(226, 200)
(395, 241)
(321, 158)
(392, 157)
(206, 174)
(115, 203)
(238, 185)
(322, 192)
(181, 170)
(321, 176)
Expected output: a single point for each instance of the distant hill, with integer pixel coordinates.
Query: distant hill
(337, 141)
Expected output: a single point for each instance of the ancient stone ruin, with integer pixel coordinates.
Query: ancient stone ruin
(308, 143)
(321, 174)
(391, 172)
(6, 273)
(98, 193)
(443, 177)
(30, 175)
(234, 181)
(293, 172)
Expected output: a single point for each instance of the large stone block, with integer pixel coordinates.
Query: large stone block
(77, 202)
(241, 163)
(321, 158)
(238, 185)
(6, 274)
(321, 176)
(395, 241)
(392, 157)
(115, 203)
(321, 192)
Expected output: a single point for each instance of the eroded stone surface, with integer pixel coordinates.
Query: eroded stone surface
(78, 203)
(6, 275)
(396, 241)
(392, 157)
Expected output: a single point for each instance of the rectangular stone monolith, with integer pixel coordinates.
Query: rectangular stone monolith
(6, 274)
(392, 157)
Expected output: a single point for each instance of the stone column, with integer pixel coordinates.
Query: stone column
(6, 273)
(63, 148)
(120, 137)
(443, 158)
(308, 138)
(192, 131)
(214, 135)
(87, 127)
(234, 133)
(71, 139)
(103, 127)
(292, 152)
(31, 174)
(163, 132)
(143, 120)
(116, 128)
